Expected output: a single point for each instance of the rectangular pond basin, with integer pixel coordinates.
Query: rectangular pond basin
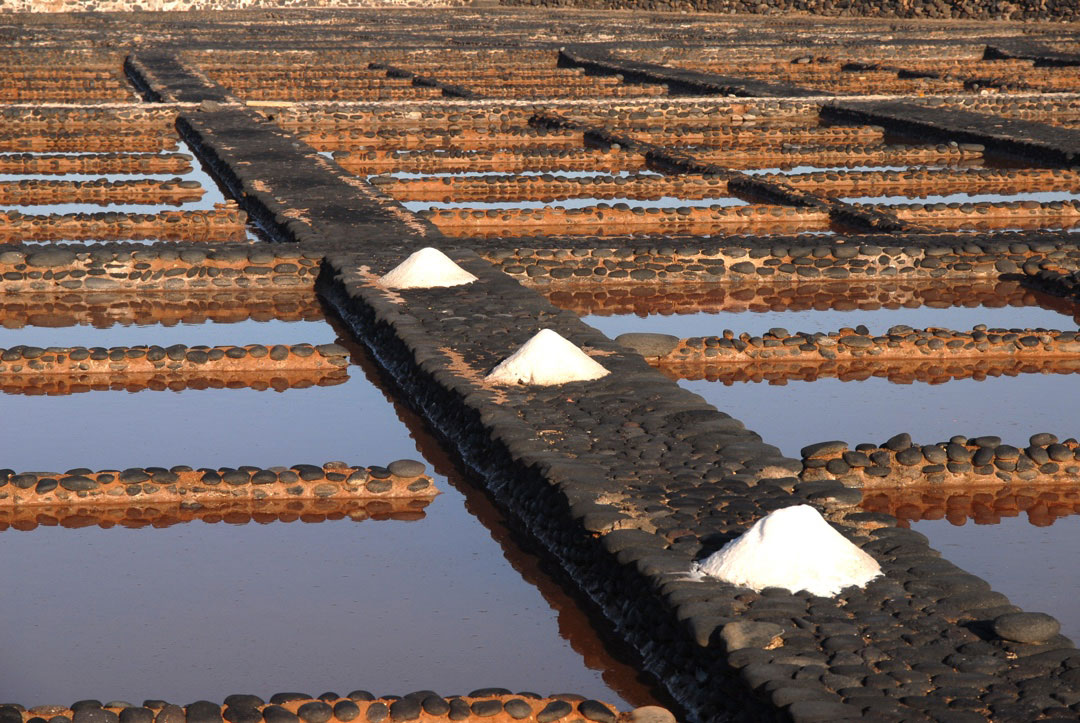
(199, 611)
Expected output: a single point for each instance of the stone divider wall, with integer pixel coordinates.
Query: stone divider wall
(232, 511)
(956, 462)
(96, 163)
(226, 222)
(899, 343)
(333, 480)
(493, 705)
(594, 259)
(173, 380)
(123, 6)
(1057, 10)
(687, 298)
(899, 371)
(117, 362)
(125, 267)
(100, 191)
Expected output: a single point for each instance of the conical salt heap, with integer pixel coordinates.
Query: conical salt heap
(793, 548)
(546, 359)
(427, 268)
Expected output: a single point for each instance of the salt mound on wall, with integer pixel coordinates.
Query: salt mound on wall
(546, 359)
(793, 548)
(427, 268)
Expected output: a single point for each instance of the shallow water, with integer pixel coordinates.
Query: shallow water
(198, 611)
(877, 321)
(799, 413)
(1030, 564)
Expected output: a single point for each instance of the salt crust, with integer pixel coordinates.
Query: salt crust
(793, 548)
(544, 360)
(427, 268)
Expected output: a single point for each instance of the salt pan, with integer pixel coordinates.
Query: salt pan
(427, 268)
(546, 359)
(793, 548)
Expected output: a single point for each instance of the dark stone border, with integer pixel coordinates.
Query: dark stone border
(333, 480)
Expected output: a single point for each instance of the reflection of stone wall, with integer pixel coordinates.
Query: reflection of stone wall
(64, 6)
(974, 9)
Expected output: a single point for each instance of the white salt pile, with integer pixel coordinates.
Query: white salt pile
(546, 359)
(793, 548)
(427, 268)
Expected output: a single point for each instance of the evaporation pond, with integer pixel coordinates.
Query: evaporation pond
(1003, 554)
(878, 321)
(199, 611)
(799, 413)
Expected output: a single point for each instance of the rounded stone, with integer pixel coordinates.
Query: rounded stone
(170, 714)
(89, 714)
(486, 708)
(435, 705)
(594, 710)
(277, 714)
(459, 710)
(553, 711)
(517, 709)
(405, 709)
(406, 468)
(899, 442)
(78, 483)
(360, 695)
(203, 711)
(346, 710)
(133, 714)
(315, 712)
(288, 696)
(651, 714)
(377, 712)
(1026, 627)
(824, 449)
(241, 714)
(647, 344)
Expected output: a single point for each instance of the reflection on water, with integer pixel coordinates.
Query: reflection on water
(204, 610)
(1032, 565)
(799, 413)
(877, 321)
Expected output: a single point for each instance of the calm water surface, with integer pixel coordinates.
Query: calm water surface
(248, 331)
(877, 321)
(201, 610)
(798, 413)
(1033, 566)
